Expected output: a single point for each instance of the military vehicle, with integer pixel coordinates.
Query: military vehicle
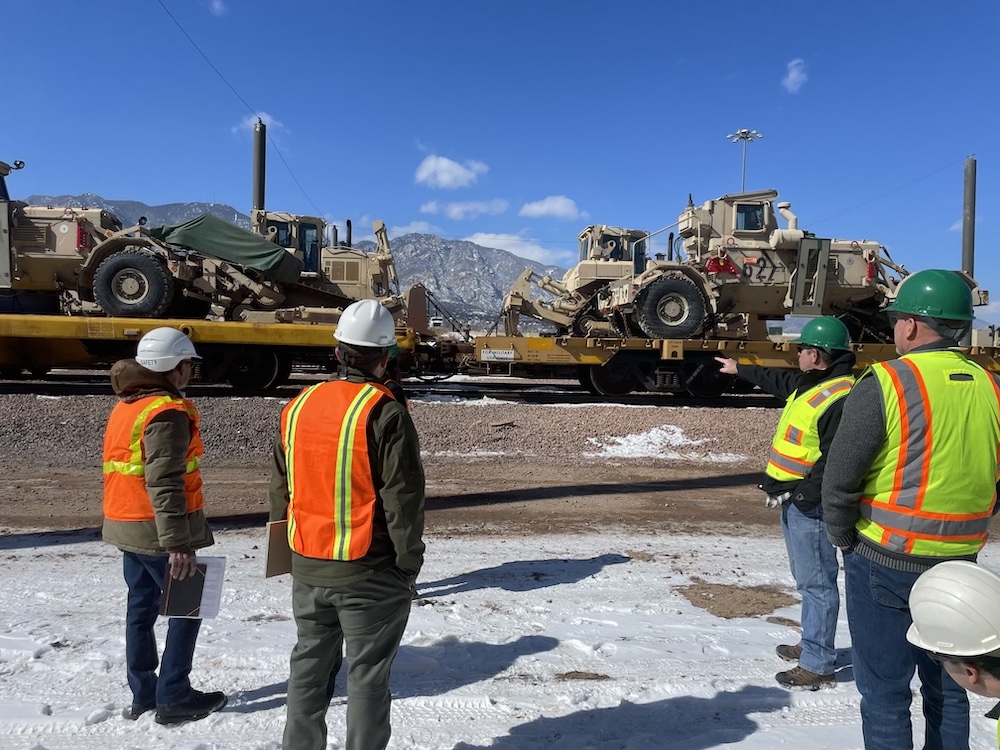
(82, 261)
(735, 269)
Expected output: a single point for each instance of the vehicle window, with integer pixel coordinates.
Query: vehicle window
(750, 216)
(284, 233)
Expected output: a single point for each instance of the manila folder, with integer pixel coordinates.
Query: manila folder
(279, 554)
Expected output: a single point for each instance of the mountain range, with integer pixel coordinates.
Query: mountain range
(468, 279)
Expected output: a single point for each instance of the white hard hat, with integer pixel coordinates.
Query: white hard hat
(162, 349)
(955, 608)
(366, 323)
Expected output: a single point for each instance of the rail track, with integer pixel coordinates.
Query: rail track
(92, 383)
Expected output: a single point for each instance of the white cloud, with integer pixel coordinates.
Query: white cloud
(556, 206)
(796, 76)
(246, 125)
(957, 226)
(461, 210)
(523, 247)
(442, 172)
(415, 227)
(472, 209)
(217, 8)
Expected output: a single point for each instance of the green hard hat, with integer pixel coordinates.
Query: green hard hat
(826, 333)
(934, 294)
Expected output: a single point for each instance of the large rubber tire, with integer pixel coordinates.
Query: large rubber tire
(610, 379)
(133, 283)
(671, 308)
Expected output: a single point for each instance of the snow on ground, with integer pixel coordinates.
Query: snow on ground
(564, 642)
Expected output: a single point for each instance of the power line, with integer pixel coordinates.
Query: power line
(897, 189)
(245, 103)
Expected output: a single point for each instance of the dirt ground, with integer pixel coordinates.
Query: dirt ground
(486, 497)
(494, 496)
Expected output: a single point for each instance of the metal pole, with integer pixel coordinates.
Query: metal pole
(743, 175)
(969, 218)
(969, 228)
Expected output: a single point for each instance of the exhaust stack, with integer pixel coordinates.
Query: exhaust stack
(257, 219)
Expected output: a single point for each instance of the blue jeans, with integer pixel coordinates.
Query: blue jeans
(884, 661)
(814, 567)
(145, 576)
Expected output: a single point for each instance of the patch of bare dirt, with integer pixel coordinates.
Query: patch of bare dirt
(575, 675)
(729, 600)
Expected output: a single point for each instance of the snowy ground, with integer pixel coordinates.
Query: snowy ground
(565, 642)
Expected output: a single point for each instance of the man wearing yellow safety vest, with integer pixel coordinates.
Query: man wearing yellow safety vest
(795, 468)
(153, 512)
(956, 618)
(347, 475)
(911, 482)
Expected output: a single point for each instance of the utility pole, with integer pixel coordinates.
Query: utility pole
(747, 136)
(969, 227)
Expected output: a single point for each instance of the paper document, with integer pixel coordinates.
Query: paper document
(279, 554)
(199, 596)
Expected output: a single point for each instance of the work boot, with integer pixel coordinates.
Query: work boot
(803, 679)
(196, 706)
(134, 711)
(789, 653)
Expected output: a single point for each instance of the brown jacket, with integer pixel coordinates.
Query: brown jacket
(165, 443)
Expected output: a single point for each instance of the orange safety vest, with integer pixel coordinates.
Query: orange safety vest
(125, 495)
(931, 489)
(331, 491)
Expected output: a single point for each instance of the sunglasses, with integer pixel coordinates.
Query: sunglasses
(805, 348)
(940, 659)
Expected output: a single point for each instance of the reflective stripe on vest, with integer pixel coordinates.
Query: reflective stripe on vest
(931, 489)
(125, 495)
(324, 433)
(795, 448)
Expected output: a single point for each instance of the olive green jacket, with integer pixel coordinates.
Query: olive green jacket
(398, 524)
(165, 443)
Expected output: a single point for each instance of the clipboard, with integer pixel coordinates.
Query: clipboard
(199, 596)
(279, 554)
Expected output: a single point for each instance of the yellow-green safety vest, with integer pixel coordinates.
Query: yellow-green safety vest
(795, 448)
(931, 489)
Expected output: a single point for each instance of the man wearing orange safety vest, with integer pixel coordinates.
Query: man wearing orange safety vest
(911, 482)
(795, 468)
(347, 475)
(153, 512)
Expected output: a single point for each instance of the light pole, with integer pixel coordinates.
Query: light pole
(747, 136)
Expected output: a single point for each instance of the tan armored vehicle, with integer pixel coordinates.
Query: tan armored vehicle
(82, 261)
(41, 250)
(736, 269)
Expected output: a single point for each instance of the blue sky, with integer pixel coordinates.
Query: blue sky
(515, 123)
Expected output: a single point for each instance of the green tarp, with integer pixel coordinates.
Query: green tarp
(217, 238)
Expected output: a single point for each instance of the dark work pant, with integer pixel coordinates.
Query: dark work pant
(145, 575)
(370, 617)
(884, 662)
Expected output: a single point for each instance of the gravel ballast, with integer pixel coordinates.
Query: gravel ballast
(66, 431)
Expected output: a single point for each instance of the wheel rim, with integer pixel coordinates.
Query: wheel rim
(130, 286)
(672, 309)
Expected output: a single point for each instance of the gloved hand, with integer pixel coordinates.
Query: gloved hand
(773, 501)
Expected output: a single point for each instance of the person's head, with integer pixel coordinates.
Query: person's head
(955, 607)
(930, 306)
(364, 335)
(822, 340)
(168, 352)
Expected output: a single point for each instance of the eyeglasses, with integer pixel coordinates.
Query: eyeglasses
(805, 348)
(939, 658)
